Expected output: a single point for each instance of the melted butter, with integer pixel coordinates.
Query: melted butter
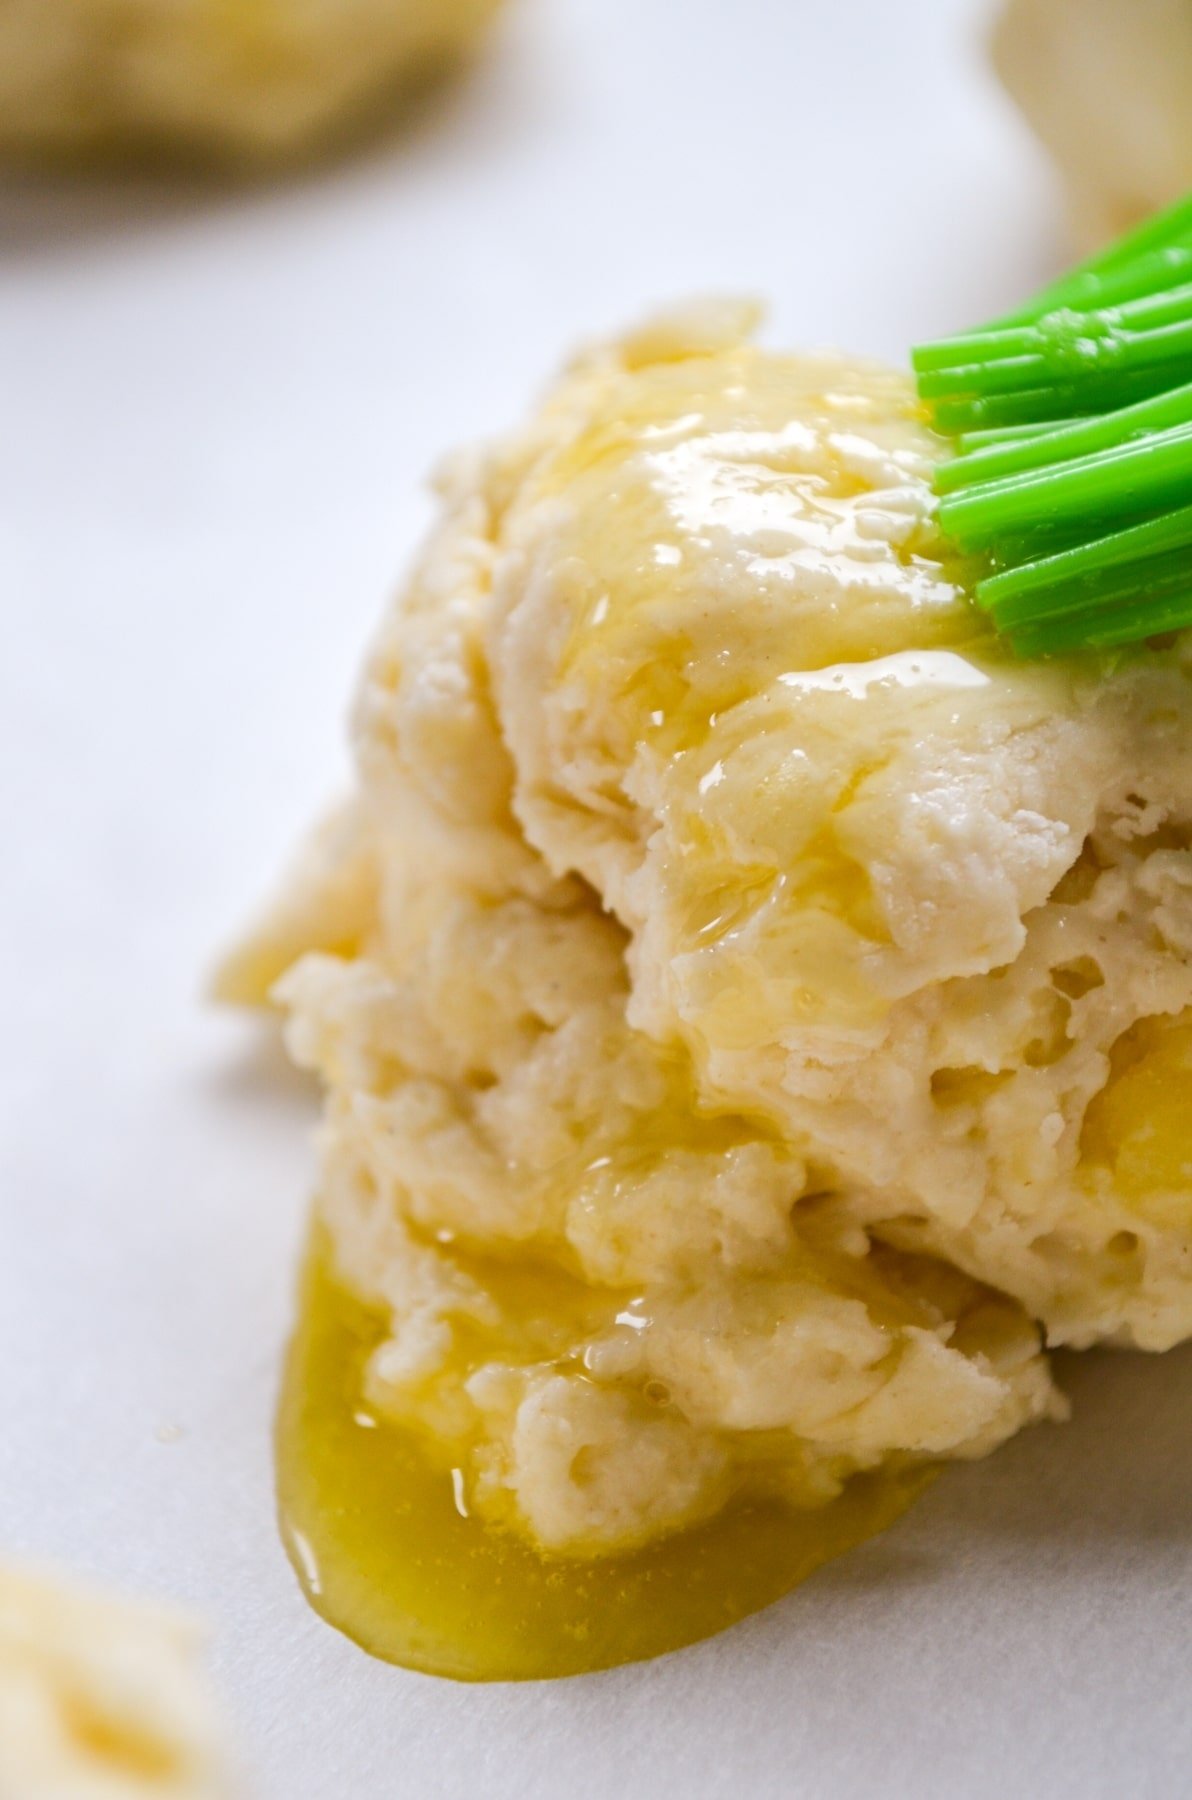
(735, 515)
(905, 669)
(760, 613)
(1138, 1124)
(379, 1536)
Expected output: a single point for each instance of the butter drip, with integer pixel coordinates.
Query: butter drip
(372, 1526)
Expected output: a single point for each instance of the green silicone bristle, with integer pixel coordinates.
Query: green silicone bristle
(1072, 421)
(991, 456)
(1167, 230)
(1127, 481)
(1128, 579)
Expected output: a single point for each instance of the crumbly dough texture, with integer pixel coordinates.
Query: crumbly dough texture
(748, 1000)
(101, 1699)
(243, 79)
(1107, 86)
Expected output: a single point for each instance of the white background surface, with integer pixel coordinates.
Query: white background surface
(216, 409)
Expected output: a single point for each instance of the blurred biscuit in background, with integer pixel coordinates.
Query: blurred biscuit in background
(1107, 86)
(102, 1698)
(235, 81)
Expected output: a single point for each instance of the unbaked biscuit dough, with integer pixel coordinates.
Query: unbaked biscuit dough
(101, 1699)
(236, 79)
(753, 1008)
(1107, 86)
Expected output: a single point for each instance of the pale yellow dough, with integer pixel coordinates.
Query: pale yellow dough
(727, 978)
(101, 1699)
(243, 79)
(1107, 85)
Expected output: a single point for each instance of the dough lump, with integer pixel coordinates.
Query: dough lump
(1107, 87)
(753, 1007)
(238, 80)
(101, 1699)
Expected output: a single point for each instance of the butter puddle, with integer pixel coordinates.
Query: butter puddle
(384, 1552)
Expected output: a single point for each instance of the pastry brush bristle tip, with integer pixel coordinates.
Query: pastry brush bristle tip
(1072, 421)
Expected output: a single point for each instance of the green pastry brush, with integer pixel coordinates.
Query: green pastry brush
(1072, 418)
